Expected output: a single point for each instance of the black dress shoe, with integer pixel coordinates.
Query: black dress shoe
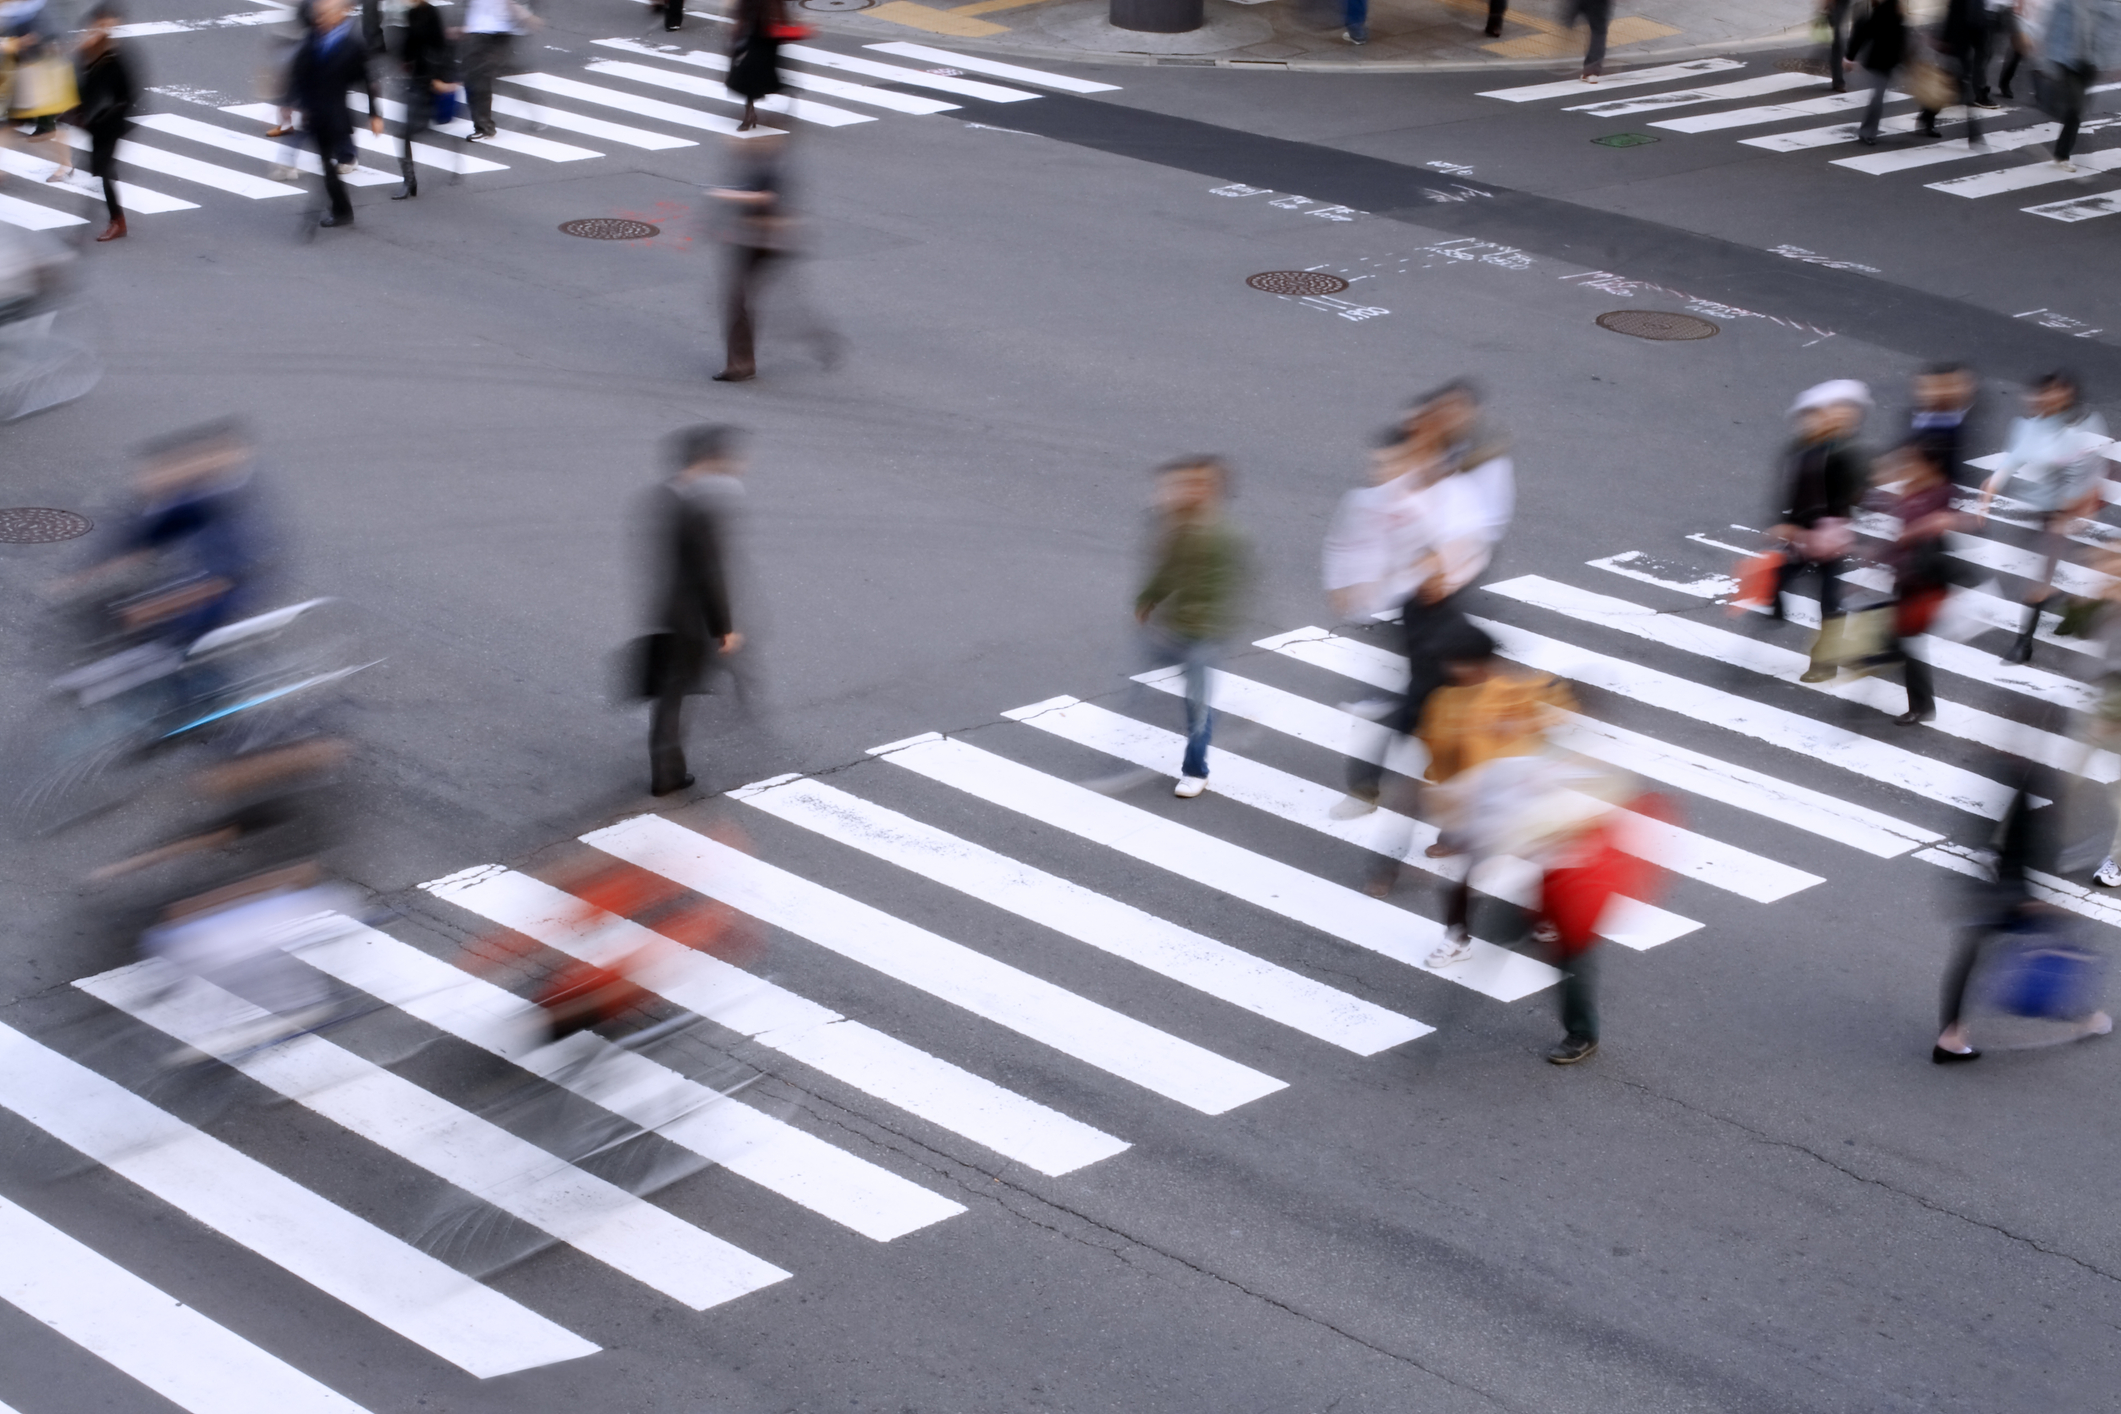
(1572, 1050)
(1912, 718)
(346, 220)
(735, 375)
(670, 789)
(1493, 31)
(1940, 1056)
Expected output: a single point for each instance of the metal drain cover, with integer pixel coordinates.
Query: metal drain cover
(610, 228)
(40, 525)
(1297, 282)
(837, 4)
(1656, 324)
(1815, 67)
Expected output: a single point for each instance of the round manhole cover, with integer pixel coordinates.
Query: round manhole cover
(39, 525)
(1297, 282)
(837, 4)
(610, 228)
(1814, 67)
(1656, 324)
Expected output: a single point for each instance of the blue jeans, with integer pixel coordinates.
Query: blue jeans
(1193, 657)
(1357, 21)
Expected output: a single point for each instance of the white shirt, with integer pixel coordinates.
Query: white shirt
(2054, 459)
(1384, 539)
(491, 17)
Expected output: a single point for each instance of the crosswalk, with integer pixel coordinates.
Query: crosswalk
(2013, 156)
(630, 94)
(988, 842)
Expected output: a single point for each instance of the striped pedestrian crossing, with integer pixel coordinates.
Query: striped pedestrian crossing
(2012, 159)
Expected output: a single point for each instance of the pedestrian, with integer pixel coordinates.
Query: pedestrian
(1355, 21)
(1944, 417)
(1596, 16)
(2102, 721)
(1833, 18)
(428, 68)
(39, 78)
(2054, 463)
(1823, 475)
(1496, 10)
(2006, 40)
(1441, 519)
(1963, 40)
(489, 32)
(1921, 566)
(2081, 38)
(1483, 713)
(331, 63)
(692, 529)
(759, 230)
(1194, 593)
(108, 91)
(1878, 40)
(755, 54)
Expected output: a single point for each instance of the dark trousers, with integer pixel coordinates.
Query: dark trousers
(419, 119)
(673, 14)
(102, 153)
(1829, 572)
(666, 739)
(2003, 39)
(1874, 111)
(1597, 15)
(1837, 23)
(1496, 10)
(1921, 693)
(330, 142)
(748, 268)
(484, 58)
(1424, 629)
(1579, 1003)
(2071, 85)
(1965, 63)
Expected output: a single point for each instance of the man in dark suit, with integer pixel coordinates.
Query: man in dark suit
(692, 520)
(333, 59)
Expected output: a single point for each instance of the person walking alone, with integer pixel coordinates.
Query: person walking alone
(333, 61)
(108, 90)
(429, 70)
(489, 34)
(1823, 475)
(1597, 16)
(755, 54)
(692, 527)
(1194, 594)
(1878, 41)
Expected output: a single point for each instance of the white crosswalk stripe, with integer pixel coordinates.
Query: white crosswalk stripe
(32, 217)
(1769, 113)
(809, 110)
(1909, 158)
(264, 149)
(566, 121)
(392, 1283)
(133, 198)
(2032, 174)
(2079, 208)
(503, 140)
(1663, 73)
(979, 984)
(854, 1054)
(973, 63)
(795, 78)
(1331, 908)
(426, 154)
(173, 1350)
(189, 169)
(1087, 916)
(592, 1216)
(1687, 97)
(635, 104)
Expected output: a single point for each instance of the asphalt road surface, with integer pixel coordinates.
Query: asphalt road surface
(1034, 1129)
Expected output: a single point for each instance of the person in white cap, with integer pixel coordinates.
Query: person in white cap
(1824, 474)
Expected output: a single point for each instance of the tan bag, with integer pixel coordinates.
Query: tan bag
(1930, 86)
(44, 88)
(1847, 640)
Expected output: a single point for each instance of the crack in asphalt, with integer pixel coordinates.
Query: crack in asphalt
(1918, 1199)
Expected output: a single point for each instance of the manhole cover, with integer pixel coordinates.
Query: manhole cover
(1624, 140)
(1298, 282)
(1815, 67)
(1656, 324)
(39, 525)
(610, 228)
(837, 4)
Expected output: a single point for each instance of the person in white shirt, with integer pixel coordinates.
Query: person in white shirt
(489, 31)
(2055, 461)
(1417, 538)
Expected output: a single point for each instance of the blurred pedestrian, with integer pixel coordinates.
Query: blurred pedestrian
(1355, 21)
(2005, 43)
(1483, 713)
(2054, 463)
(40, 78)
(1962, 39)
(1944, 417)
(692, 527)
(755, 54)
(2101, 624)
(1435, 527)
(1596, 16)
(1878, 40)
(759, 230)
(1922, 576)
(1194, 593)
(1823, 476)
(2081, 38)
(1833, 18)
(108, 90)
(1496, 10)
(489, 33)
(331, 63)
(428, 67)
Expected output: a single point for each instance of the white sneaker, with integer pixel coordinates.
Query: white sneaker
(1451, 950)
(2108, 875)
(347, 169)
(1352, 807)
(1189, 786)
(284, 174)
(2098, 1024)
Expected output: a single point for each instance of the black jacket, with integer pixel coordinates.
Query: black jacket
(690, 530)
(108, 90)
(1879, 39)
(1822, 479)
(423, 47)
(325, 67)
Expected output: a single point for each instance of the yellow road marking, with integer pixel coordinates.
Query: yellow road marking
(905, 12)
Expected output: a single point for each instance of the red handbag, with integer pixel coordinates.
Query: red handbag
(1917, 610)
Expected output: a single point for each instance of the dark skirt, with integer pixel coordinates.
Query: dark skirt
(755, 67)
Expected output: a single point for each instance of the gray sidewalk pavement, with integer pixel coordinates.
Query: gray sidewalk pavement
(1308, 34)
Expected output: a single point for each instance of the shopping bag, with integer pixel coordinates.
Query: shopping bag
(1757, 578)
(445, 107)
(1917, 610)
(1929, 85)
(1852, 638)
(2042, 975)
(44, 87)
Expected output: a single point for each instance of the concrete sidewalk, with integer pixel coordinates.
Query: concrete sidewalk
(1307, 34)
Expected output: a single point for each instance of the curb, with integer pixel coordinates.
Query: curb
(1795, 35)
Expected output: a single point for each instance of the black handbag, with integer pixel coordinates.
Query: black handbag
(644, 666)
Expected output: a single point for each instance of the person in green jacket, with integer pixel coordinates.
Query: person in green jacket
(1194, 593)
